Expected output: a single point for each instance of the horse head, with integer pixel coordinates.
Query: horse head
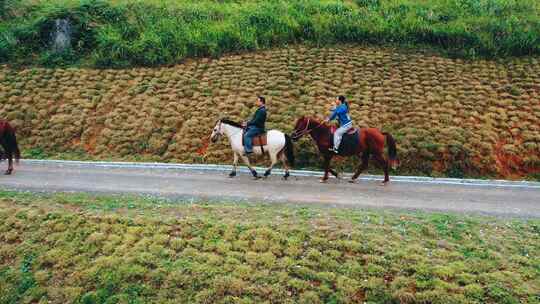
(216, 132)
(301, 128)
(305, 125)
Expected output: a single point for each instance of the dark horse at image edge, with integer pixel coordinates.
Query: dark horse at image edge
(8, 141)
(363, 143)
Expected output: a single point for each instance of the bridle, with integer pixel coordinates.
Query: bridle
(298, 134)
(219, 132)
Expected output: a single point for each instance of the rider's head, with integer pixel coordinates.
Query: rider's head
(261, 101)
(341, 100)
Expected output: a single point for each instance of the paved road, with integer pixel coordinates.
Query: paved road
(177, 183)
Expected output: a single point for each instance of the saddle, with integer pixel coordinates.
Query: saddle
(349, 142)
(258, 140)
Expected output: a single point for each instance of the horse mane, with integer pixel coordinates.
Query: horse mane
(316, 121)
(232, 123)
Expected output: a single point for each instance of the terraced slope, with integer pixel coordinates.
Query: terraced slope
(449, 116)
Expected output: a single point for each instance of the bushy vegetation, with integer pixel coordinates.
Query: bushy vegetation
(120, 33)
(450, 117)
(83, 249)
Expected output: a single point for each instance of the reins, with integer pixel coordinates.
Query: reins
(306, 131)
(202, 151)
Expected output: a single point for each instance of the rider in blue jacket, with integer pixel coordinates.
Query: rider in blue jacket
(345, 123)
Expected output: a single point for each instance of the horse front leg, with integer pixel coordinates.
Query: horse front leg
(326, 165)
(253, 171)
(235, 164)
(10, 164)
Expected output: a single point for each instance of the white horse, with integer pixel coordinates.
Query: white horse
(278, 146)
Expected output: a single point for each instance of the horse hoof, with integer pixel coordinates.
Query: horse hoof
(233, 174)
(322, 181)
(384, 183)
(352, 181)
(8, 172)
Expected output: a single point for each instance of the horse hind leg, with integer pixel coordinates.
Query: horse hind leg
(363, 166)
(5, 153)
(283, 159)
(334, 173)
(384, 164)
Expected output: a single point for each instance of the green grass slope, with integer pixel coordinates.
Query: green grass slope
(126, 33)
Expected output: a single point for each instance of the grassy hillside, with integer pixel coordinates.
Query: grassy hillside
(125, 33)
(450, 117)
(82, 249)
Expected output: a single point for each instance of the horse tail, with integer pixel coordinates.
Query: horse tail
(11, 142)
(392, 150)
(289, 151)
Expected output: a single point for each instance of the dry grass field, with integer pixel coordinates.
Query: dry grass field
(450, 117)
(73, 248)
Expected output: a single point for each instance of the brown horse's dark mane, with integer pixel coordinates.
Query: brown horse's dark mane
(232, 123)
(317, 123)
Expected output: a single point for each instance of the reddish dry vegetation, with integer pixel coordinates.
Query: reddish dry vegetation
(449, 116)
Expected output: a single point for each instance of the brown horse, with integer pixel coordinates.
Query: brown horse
(371, 142)
(8, 141)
